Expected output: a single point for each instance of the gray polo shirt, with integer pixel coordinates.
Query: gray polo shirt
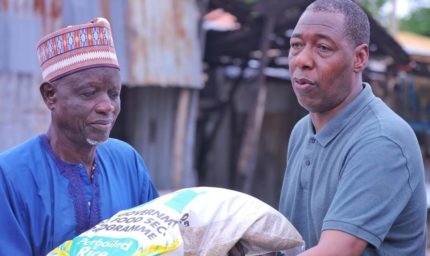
(362, 174)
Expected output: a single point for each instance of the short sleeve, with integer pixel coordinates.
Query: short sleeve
(373, 189)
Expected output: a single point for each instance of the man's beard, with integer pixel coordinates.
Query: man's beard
(94, 142)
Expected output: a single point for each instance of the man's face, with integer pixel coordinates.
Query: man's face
(87, 105)
(321, 61)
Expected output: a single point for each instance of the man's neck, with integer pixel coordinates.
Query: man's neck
(71, 152)
(320, 119)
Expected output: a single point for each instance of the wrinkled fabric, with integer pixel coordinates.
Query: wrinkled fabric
(361, 174)
(46, 201)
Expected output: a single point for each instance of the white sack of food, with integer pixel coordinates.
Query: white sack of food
(148, 229)
(203, 221)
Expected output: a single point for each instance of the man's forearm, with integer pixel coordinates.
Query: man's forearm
(337, 243)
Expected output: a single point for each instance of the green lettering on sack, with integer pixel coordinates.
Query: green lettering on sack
(103, 246)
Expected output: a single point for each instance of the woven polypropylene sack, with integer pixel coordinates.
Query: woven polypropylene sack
(193, 221)
(216, 219)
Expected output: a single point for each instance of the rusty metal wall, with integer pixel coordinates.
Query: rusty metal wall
(22, 23)
(156, 43)
(164, 47)
(22, 111)
(150, 117)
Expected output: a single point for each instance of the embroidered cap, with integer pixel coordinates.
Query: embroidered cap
(76, 47)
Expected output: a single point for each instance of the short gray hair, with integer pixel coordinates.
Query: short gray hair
(357, 27)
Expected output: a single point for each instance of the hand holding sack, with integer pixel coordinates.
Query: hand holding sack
(193, 221)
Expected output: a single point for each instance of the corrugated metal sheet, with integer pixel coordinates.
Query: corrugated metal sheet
(23, 113)
(416, 45)
(151, 127)
(151, 117)
(164, 47)
(22, 23)
(156, 41)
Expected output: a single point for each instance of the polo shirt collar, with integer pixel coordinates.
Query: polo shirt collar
(342, 118)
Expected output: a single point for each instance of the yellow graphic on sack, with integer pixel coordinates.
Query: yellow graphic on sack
(62, 250)
(155, 250)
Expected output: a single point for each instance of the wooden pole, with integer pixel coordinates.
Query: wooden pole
(182, 165)
(249, 147)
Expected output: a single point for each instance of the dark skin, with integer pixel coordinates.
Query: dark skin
(326, 69)
(84, 107)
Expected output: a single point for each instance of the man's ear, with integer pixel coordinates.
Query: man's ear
(361, 56)
(48, 91)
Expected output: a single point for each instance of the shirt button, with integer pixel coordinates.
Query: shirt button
(89, 203)
(307, 162)
(312, 140)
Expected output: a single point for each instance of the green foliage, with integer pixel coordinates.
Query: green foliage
(418, 22)
(373, 7)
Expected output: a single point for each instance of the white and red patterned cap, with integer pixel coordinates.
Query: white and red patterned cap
(76, 47)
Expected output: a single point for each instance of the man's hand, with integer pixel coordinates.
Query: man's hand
(337, 243)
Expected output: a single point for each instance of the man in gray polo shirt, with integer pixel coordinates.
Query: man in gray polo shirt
(354, 182)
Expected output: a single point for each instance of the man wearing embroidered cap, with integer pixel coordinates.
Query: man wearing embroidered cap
(75, 48)
(59, 184)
